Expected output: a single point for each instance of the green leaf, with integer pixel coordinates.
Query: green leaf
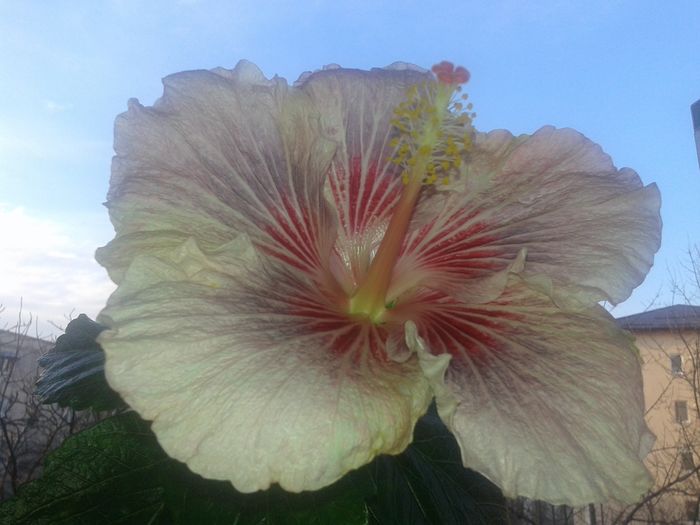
(107, 474)
(73, 374)
(427, 484)
(340, 504)
(116, 473)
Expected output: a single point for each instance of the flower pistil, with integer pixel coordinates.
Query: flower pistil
(426, 149)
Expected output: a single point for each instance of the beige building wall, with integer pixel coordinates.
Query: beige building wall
(672, 415)
(663, 386)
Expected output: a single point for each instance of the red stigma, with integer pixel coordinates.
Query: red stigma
(447, 73)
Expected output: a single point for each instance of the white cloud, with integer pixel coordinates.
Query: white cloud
(49, 265)
(54, 107)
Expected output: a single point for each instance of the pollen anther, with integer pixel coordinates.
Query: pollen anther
(430, 125)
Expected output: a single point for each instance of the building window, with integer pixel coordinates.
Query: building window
(687, 462)
(691, 510)
(681, 411)
(676, 365)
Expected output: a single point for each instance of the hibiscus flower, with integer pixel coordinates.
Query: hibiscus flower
(302, 269)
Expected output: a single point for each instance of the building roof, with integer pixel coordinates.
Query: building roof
(676, 317)
(11, 337)
(22, 345)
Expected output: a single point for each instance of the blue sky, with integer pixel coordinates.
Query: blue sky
(622, 72)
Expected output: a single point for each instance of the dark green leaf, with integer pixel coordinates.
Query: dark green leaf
(107, 474)
(116, 473)
(341, 504)
(192, 499)
(427, 484)
(73, 374)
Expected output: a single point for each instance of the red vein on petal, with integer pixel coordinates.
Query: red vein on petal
(455, 245)
(293, 232)
(297, 308)
(363, 197)
(467, 333)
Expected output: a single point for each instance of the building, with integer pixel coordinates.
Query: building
(26, 425)
(19, 354)
(669, 344)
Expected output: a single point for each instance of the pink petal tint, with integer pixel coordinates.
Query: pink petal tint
(302, 269)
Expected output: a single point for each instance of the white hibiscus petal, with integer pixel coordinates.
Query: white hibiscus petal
(254, 385)
(219, 154)
(549, 402)
(434, 368)
(555, 194)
